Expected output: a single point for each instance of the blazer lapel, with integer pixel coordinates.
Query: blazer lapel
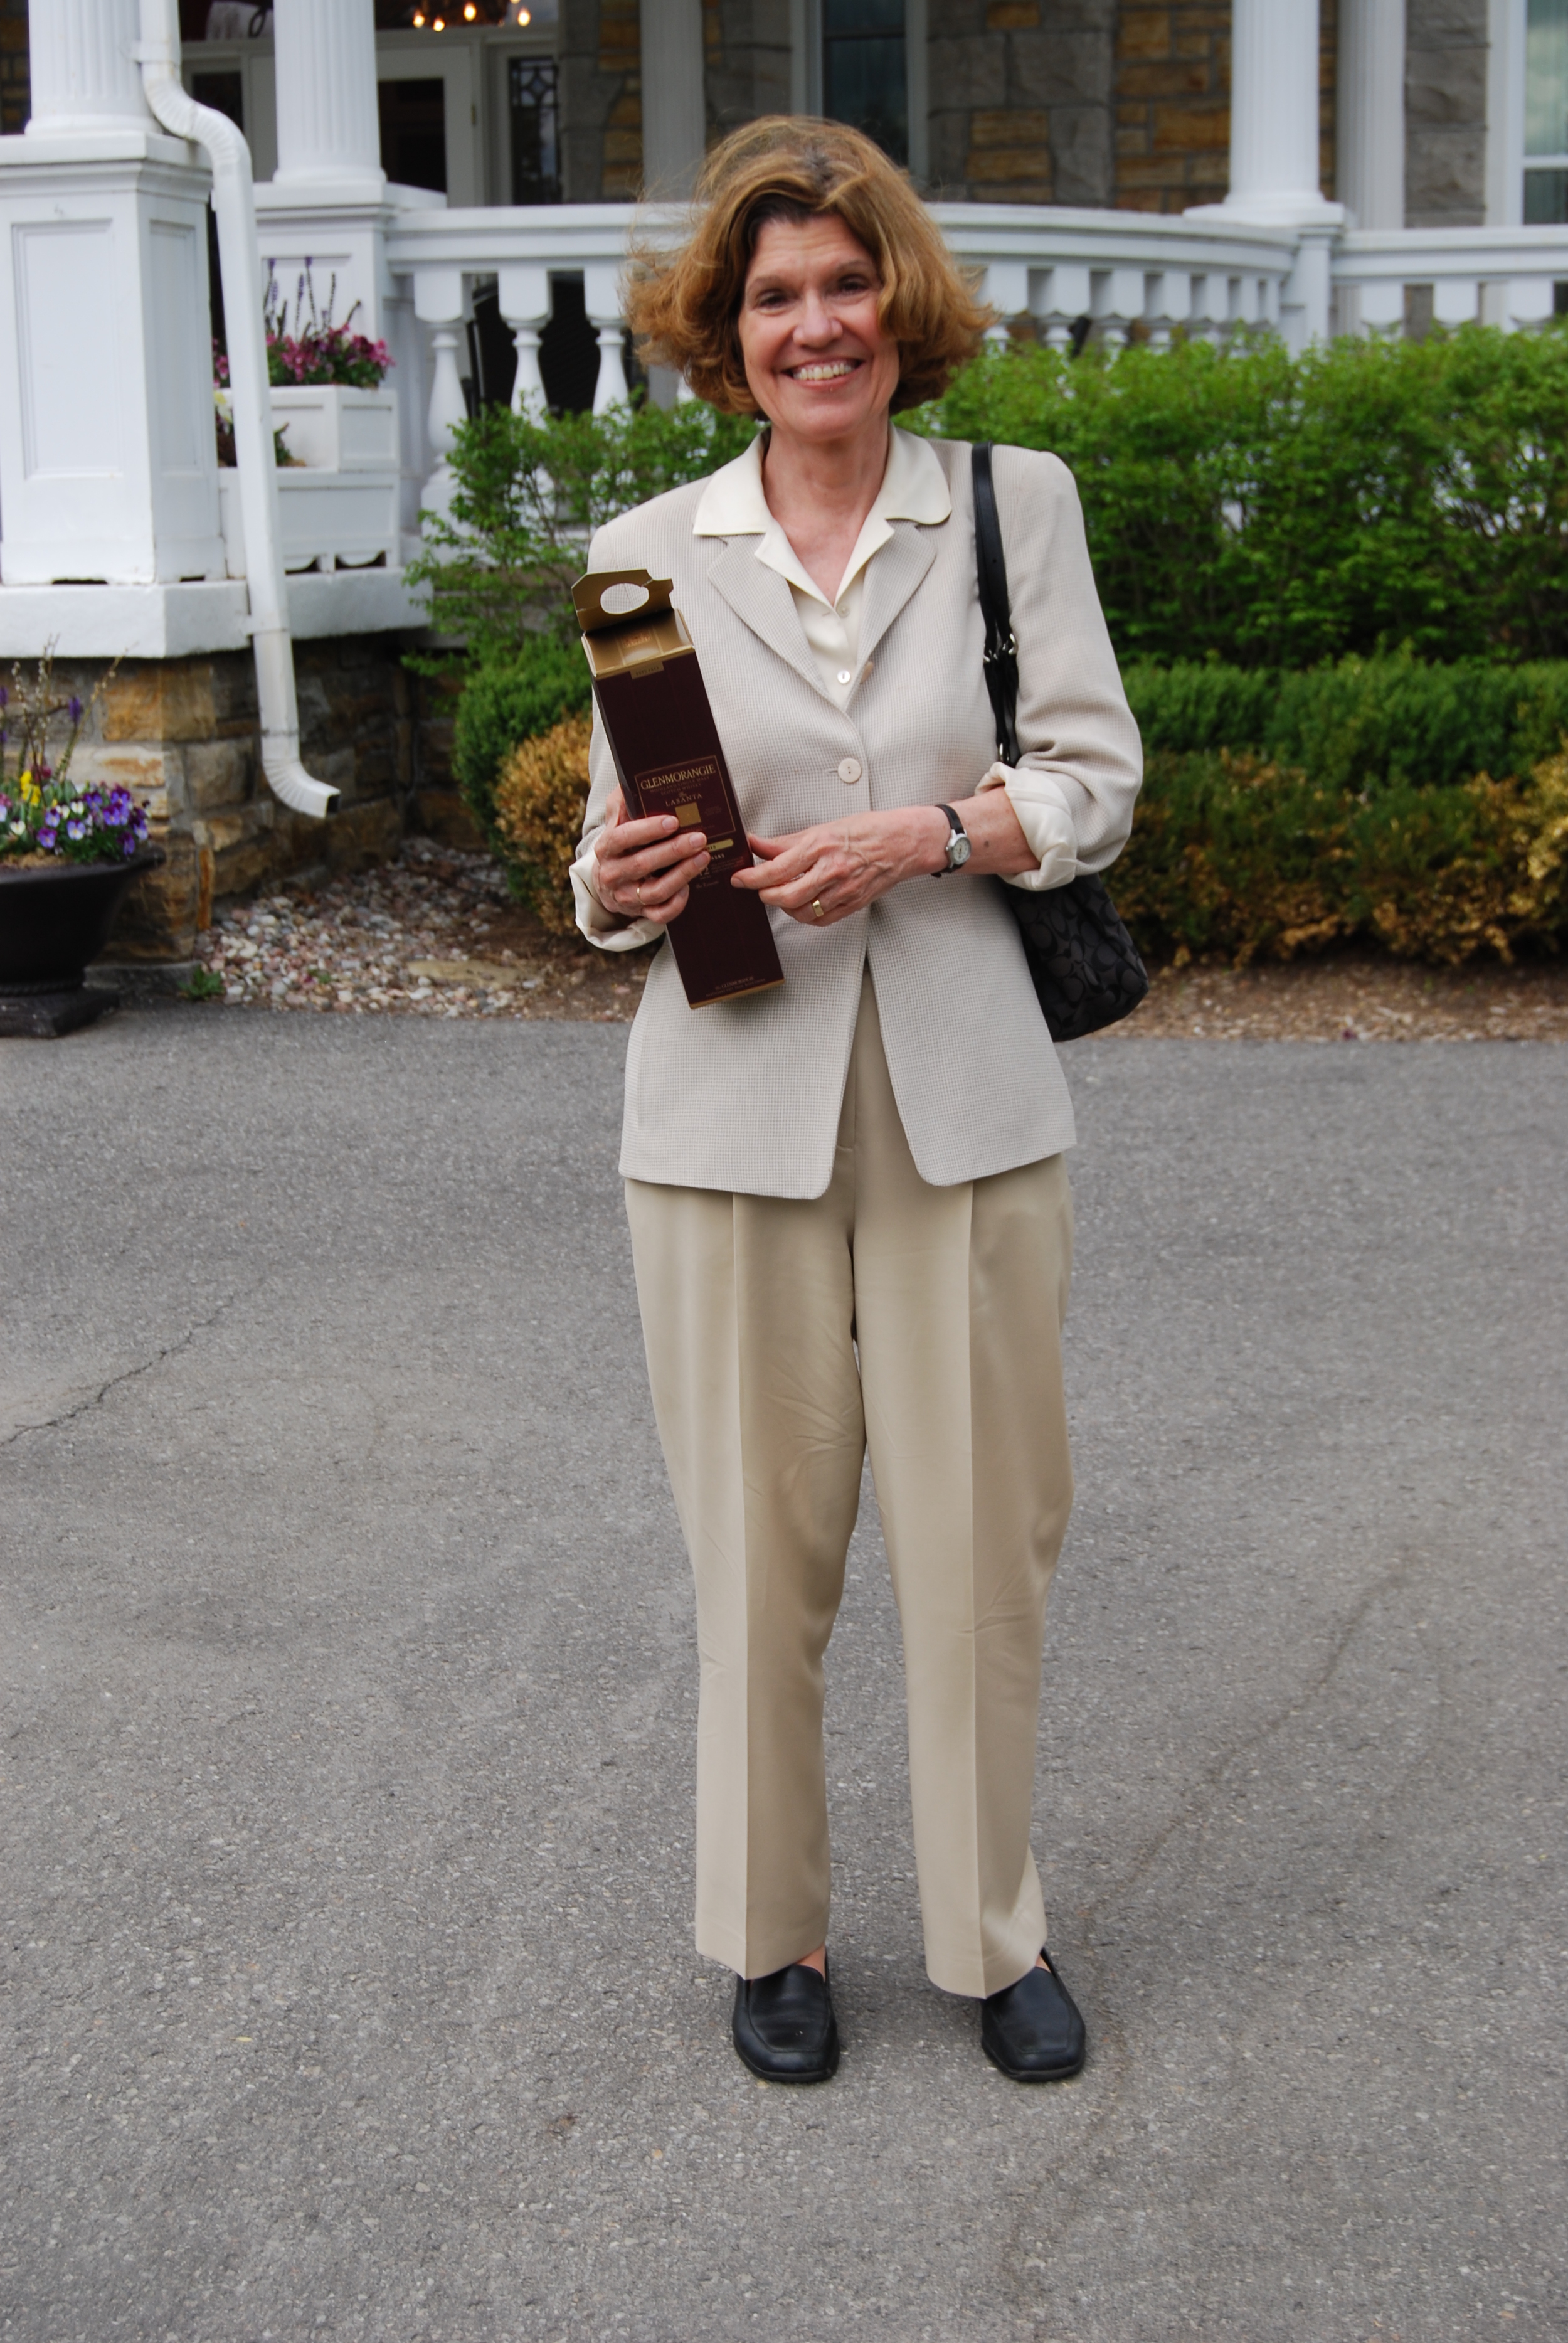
(891, 577)
(761, 599)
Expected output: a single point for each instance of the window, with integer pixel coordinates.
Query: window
(533, 114)
(1546, 113)
(865, 69)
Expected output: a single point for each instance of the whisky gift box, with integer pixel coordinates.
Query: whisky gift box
(668, 759)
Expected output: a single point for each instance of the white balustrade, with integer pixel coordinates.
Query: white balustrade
(1123, 276)
(1504, 277)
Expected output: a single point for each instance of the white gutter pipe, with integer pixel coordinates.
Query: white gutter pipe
(234, 200)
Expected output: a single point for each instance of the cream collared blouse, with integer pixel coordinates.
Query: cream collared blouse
(914, 488)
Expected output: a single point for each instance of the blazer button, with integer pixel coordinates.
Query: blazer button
(849, 771)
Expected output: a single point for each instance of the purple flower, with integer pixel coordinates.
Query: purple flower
(76, 830)
(73, 709)
(129, 848)
(5, 697)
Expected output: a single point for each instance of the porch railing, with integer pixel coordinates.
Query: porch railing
(1127, 273)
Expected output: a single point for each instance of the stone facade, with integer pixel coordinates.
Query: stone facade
(1020, 94)
(183, 735)
(746, 49)
(14, 80)
(1445, 114)
(601, 101)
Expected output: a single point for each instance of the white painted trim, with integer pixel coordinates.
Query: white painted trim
(163, 622)
(1506, 113)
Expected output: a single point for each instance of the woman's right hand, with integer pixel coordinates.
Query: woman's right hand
(643, 869)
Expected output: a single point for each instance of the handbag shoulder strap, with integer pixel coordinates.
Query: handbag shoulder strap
(996, 608)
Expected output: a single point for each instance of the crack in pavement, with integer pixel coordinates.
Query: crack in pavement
(1114, 2059)
(129, 1375)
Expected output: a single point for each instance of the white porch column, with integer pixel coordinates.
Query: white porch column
(1273, 108)
(1274, 167)
(328, 127)
(1370, 105)
(84, 76)
(108, 466)
(674, 102)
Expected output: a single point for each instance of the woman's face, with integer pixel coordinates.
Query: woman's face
(817, 360)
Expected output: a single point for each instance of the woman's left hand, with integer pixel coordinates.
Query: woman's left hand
(836, 869)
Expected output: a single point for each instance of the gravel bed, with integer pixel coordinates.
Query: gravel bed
(435, 934)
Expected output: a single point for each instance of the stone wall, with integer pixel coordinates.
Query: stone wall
(601, 101)
(1445, 114)
(1020, 96)
(1173, 103)
(14, 81)
(183, 736)
(746, 57)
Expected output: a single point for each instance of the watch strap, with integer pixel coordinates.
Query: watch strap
(955, 829)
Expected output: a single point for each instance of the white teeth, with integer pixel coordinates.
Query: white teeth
(832, 372)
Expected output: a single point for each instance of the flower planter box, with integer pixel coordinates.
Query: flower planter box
(328, 519)
(336, 429)
(53, 919)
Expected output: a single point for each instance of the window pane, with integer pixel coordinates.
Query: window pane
(532, 96)
(1545, 198)
(224, 92)
(1546, 78)
(864, 73)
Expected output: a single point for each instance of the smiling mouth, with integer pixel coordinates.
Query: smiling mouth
(823, 370)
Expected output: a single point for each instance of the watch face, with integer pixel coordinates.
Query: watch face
(958, 849)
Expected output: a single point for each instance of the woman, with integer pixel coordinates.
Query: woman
(849, 1212)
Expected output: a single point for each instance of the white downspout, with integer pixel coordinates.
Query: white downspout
(234, 200)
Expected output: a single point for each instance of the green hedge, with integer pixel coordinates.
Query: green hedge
(506, 699)
(1230, 857)
(1362, 724)
(1277, 511)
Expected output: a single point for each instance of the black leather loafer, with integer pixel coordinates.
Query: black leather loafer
(1032, 2030)
(784, 2029)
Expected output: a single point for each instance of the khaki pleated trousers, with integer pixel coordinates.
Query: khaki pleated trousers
(754, 1309)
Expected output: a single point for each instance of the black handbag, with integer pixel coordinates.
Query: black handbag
(1085, 966)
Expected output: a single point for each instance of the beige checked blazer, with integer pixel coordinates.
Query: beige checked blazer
(745, 1095)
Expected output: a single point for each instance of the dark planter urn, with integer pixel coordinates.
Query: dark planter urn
(53, 919)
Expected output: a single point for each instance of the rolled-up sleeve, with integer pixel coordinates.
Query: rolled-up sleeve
(1080, 762)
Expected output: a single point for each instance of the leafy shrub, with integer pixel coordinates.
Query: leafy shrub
(1233, 857)
(1364, 723)
(1276, 511)
(539, 799)
(507, 699)
(529, 493)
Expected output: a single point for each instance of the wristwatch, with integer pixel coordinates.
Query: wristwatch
(960, 847)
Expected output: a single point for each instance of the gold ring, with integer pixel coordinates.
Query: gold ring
(818, 909)
(639, 894)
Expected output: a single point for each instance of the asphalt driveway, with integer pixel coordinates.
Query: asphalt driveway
(348, 1692)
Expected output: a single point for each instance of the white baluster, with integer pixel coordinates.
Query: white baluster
(1166, 303)
(439, 303)
(601, 299)
(1454, 300)
(1059, 297)
(1117, 297)
(1531, 300)
(524, 296)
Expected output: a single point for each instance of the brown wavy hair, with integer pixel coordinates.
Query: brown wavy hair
(684, 306)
